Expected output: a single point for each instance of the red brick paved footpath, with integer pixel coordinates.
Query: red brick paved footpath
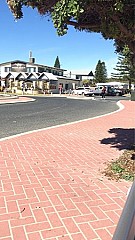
(51, 183)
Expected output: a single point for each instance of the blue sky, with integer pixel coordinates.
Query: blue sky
(78, 52)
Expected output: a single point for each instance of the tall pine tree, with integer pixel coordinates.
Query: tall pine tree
(57, 62)
(121, 69)
(100, 72)
(125, 67)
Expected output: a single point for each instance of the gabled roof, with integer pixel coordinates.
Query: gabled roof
(42, 76)
(21, 75)
(7, 75)
(15, 75)
(32, 75)
(47, 75)
(29, 76)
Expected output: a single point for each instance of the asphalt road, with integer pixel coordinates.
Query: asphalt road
(50, 111)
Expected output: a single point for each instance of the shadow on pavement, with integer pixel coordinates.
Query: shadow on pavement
(122, 138)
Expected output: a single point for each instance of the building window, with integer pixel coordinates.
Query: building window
(31, 69)
(77, 77)
(54, 72)
(7, 69)
(60, 73)
(41, 69)
(48, 70)
(53, 84)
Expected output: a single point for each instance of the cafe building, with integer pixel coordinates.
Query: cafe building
(17, 76)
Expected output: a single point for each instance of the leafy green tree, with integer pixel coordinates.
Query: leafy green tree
(86, 82)
(57, 62)
(114, 19)
(100, 72)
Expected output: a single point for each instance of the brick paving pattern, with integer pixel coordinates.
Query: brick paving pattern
(51, 185)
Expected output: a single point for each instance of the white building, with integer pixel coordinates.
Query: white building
(17, 76)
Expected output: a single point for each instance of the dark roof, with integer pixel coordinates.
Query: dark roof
(25, 62)
(90, 74)
(19, 61)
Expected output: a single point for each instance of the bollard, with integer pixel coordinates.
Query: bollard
(126, 226)
(133, 95)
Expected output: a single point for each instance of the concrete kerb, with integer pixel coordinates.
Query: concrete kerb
(80, 97)
(120, 105)
(5, 99)
(13, 100)
(7, 96)
(72, 96)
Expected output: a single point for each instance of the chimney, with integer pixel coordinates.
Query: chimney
(31, 59)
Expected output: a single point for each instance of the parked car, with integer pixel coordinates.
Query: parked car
(97, 90)
(110, 91)
(83, 91)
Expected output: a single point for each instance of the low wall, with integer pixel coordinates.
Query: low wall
(18, 91)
